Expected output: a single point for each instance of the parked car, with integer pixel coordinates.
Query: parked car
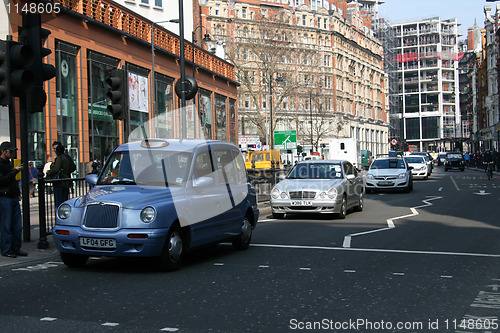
(160, 198)
(325, 187)
(454, 161)
(389, 173)
(419, 165)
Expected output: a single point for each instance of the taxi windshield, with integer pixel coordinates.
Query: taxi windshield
(146, 168)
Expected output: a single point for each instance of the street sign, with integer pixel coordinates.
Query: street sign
(394, 142)
(285, 139)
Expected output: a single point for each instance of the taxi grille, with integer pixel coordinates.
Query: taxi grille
(302, 194)
(101, 216)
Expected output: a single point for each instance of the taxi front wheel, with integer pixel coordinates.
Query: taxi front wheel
(173, 251)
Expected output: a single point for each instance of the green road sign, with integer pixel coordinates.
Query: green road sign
(285, 139)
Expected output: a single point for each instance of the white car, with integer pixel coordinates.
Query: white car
(389, 173)
(420, 166)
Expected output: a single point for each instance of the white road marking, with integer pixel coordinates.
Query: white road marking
(48, 319)
(169, 329)
(390, 222)
(263, 266)
(219, 264)
(349, 271)
(110, 324)
(305, 268)
(333, 248)
(440, 189)
(446, 276)
(398, 274)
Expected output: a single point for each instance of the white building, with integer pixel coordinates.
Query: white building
(488, 133)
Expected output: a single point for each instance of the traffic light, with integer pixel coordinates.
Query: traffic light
(15, 75)
(299, 149)
(35, 36)
(117, 94)
(4, 74)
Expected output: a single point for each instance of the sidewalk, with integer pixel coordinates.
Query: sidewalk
(51, 253)
(34, 254)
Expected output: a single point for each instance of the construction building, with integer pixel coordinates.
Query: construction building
(427, 75)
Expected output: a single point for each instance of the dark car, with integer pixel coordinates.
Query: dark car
(454, 161)
(441, 158)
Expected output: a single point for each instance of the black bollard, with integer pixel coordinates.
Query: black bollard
(42, 242)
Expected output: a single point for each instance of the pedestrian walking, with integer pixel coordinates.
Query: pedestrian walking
(10, 217)
(467, 159)
(60, 170)
(33, 178)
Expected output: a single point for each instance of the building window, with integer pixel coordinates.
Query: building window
(164, 112)
(67, 98)
(158, 3)
(102, 128)
(220, 117)
(145, 2)
(205, 112)
(244, 12)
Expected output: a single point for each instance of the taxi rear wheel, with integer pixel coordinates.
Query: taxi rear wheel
(74, 260)
(173, 251)
(242, 241)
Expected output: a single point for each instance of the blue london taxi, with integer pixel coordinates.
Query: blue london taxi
(160, 198)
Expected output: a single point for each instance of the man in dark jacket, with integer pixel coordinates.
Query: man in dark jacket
(10, 217)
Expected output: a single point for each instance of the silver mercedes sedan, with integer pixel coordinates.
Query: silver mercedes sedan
(326, 187)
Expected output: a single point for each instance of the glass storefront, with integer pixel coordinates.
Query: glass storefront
(164, 113)
(102, 128)
(67, 98)
(205, 113)
(220, 117)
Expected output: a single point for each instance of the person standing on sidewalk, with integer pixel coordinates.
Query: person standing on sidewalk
(10, 218)
(59, 170)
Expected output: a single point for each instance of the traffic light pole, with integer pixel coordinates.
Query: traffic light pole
(23, 115)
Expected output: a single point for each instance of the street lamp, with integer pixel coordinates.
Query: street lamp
(278, 79)
(206, 38)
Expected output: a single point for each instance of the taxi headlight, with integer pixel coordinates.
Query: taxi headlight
(148, 214)
(64, 211)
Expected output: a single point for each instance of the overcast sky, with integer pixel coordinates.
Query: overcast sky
(399, 11)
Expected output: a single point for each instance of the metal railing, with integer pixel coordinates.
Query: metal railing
(46, 204)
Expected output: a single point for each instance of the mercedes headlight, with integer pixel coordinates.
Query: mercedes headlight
(148, 214)
(275, 194)
(332, 193)
(64, 211)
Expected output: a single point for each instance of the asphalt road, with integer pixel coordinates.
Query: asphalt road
(427, 261)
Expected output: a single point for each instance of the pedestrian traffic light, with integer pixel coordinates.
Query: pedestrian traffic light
(117, 94)
(36, 36)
